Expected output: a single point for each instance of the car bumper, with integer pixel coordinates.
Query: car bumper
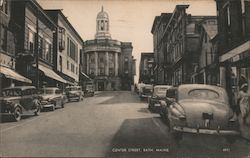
(206, 131)
(47, 105)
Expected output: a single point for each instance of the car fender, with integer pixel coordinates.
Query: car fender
(17, 105)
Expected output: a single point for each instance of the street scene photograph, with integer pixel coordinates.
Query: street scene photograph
(125, 78)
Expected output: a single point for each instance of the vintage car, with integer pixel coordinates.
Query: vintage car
(159, 93)
(51, 97)
(146, 91)
(74, 93)
(20, 100)
(200, 109)
(89, 90)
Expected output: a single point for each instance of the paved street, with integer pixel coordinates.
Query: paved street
(111, 124)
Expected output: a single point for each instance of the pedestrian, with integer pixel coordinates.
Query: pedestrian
(243, 101)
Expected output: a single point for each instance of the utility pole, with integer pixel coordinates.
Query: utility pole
(36, 50)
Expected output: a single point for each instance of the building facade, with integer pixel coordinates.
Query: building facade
(146, 68)
(67, 48)
(8, 28)
(178, 43)
(35, 43)
(159, 25)
(207, 70)
(234, 43)
(108, 62)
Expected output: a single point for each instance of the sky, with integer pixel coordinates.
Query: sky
(130, 20)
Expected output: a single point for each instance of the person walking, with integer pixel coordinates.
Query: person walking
(243, 102)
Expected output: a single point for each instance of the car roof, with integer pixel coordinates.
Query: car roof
(167, 86)
(54, 88)
(200, 86)
(21, 87)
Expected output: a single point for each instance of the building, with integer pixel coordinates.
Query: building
(159, 25)
(234, 43)
(35, 43)
(146, 68)
(207, 70)
(67, 48)
(107, 61)
(179, 44)
(8, 74)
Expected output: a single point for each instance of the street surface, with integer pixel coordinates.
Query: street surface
(110, 124)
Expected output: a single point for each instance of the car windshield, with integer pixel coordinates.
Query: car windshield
(11, 92)
(203, 94)
(47, 91)
(160, 90)
(73, 88)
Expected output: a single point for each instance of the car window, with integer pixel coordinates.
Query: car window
(27, 92)
(58, 91)
(160, 90)
(204, 94)
(171, 93)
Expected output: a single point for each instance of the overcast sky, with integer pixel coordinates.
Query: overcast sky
(130, 20)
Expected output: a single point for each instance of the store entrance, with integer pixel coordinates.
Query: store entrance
(100, 86)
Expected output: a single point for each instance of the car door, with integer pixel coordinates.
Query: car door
(27, 99)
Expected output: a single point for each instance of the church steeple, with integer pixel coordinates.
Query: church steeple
(102, 25)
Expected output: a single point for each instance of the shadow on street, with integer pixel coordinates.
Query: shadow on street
(145, 138)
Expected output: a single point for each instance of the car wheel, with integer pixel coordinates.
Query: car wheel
(17, 113)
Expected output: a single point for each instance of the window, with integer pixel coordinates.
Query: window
(40, 46)
(31, 41)
(60, 63)
(72, 49)
(228, 16)
(101, 60)
(4, 39)
(61, 36)
(4, 6)
(48, 52)
(203, 94)
(101, 71)
(76, 70)
(67, 65)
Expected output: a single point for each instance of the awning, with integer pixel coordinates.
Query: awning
(13, 75)
(51, 74)
(86, 76)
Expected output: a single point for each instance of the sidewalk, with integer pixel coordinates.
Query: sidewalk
(245, 129)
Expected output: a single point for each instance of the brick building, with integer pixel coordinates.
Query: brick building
(35, 43)
(8, 29)
(234, 43)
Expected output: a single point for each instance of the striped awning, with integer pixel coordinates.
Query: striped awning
(9, 73)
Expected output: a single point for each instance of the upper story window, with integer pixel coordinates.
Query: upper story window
(31, 41)
(228, 15)
(3, 41)
(48, 52)
(61, 38)
(4, 6)
(40, 46)
(72, 50)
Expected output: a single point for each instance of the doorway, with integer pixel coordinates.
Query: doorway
(100, 86)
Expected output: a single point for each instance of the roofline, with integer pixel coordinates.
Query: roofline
(36, 4)
(59, 11)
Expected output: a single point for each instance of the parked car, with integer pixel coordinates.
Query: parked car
(159, 93)
(90, 90)
(146, 91)
(20, 100)
(51, 97)
(74, 93)
(200, 109)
